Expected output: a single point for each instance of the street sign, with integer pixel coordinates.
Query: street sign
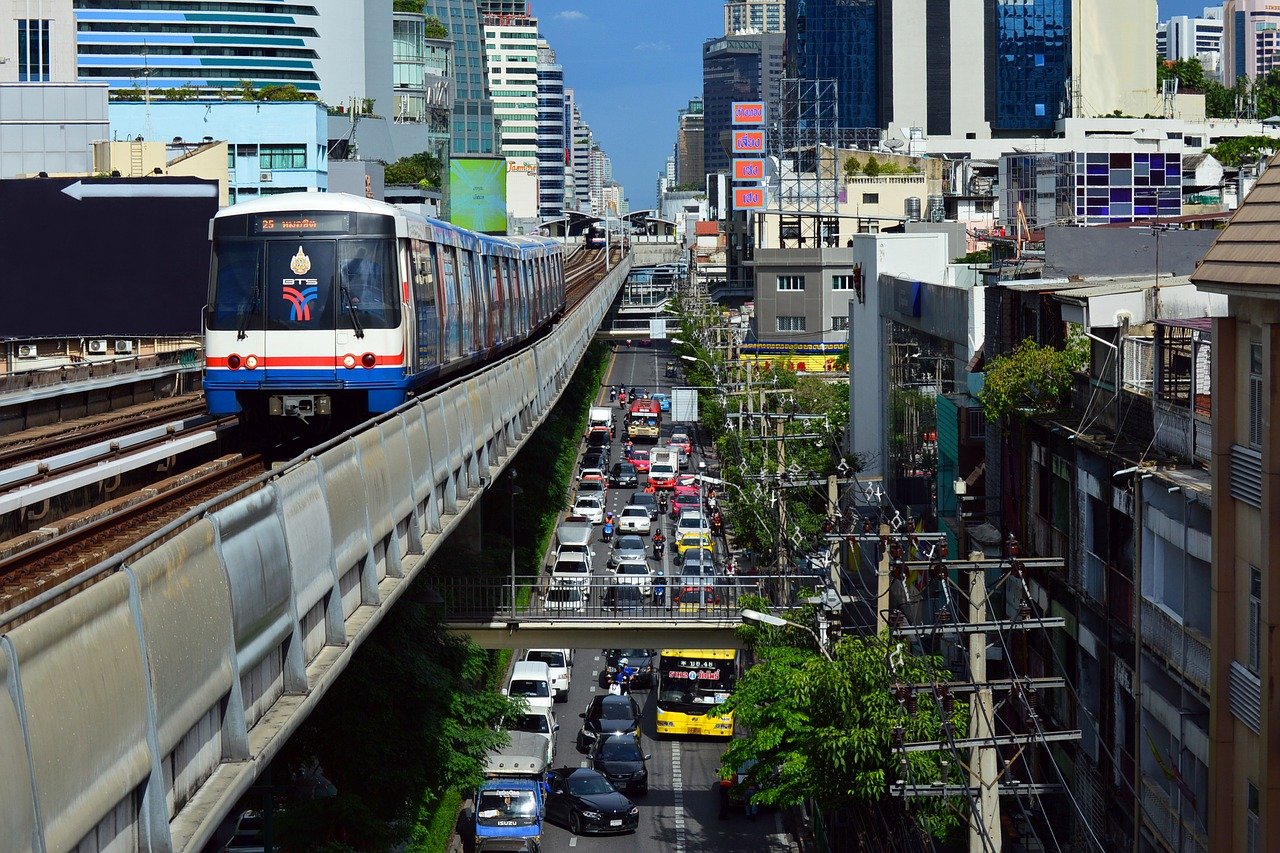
(748, 142)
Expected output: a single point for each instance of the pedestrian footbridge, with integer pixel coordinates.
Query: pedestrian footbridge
(143, 697)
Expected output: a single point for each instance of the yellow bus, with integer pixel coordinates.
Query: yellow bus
(689, 682)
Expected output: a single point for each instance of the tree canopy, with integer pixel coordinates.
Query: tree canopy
(1032, 379)
(423, 169)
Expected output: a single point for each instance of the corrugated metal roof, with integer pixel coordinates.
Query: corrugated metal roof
(1246, 255)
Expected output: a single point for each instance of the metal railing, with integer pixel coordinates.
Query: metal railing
(1185, 652)
(689, 599)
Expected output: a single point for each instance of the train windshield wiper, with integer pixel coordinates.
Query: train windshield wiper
(249, 312)
(345, 294)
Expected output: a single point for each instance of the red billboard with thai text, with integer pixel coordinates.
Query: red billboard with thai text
(748, 198)
(748, 169)
(748, 142)
(748, 112)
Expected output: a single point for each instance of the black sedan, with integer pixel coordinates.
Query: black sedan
(622, 761)
(608, 715)
(622, 474)
(641, 659)
(583, 799)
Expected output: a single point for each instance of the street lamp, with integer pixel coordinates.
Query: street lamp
(515, 490)
(779, 622)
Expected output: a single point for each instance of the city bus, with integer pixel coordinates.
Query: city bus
(645, 421)
(689, 682)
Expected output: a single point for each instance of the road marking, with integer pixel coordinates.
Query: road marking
(573, 841)
(584, 763)
(677, 786)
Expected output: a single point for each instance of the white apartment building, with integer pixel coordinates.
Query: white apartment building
(1184, 37)
(754, 16)
(511, 63)
(582, 146)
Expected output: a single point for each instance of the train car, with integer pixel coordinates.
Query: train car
(326, 304)
(596, 236)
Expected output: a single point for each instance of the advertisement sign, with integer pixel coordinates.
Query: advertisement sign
(748, 169)
(748, 112)
(748, 198)
(478, 193)
(748, 142)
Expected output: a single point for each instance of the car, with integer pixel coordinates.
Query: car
(694, 539)
(593, 459)
(593, 475)
(623, 474)
(635, 573)
(623, 598)
(565, 598)
(642, 660)
(646, 500)
(531, 681)
(639, 460)
(559, 661)
(696, 597)
(590, 506)
(626, 548)
(696, 561)
(608, 714)
(682, 441)
(682, 501)
(593, 487)
(572, 568)
(585, 801)
(622, 761)
(635, 519)
(599, 440)
(538, 721)
(692, 521)
(645, 342)
(664, 401)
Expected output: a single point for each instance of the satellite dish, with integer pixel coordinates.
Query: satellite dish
(895, 144)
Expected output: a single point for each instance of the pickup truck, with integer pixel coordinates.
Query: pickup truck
(664, 465)
(509, 805)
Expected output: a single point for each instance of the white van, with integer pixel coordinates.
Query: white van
(558, 661)
(531, 681)
(599, 416)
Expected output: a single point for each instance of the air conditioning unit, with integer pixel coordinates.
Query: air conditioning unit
(28, 351)
(124, 346)
(265, 176)
(97, 347)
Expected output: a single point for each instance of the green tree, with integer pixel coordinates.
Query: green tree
(411, 6)
(851, 168)
(1032, 379)
(823, 730)
(436, 29)
(1236, 151)
(422, 169)
(981, 256)
(872, 167)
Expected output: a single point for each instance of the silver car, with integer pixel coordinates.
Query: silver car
(626, 549)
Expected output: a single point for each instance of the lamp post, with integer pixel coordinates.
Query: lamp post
(779, 622)
(515, 490)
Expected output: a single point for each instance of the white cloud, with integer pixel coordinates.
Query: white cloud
(571, 15)
(654, 46)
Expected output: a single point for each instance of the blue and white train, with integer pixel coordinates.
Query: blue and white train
(332, 304)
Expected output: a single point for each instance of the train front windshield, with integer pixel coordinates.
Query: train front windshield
(300, 284)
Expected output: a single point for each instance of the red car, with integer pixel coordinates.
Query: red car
(640, 459)
(682, 441)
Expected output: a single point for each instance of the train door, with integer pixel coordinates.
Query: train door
(499, 268)
(451, 333)
(466, 301)
(426, 314)
(301, 299)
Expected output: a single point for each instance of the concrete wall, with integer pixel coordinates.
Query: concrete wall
(1122, 251)
(50, 127)
(355, 52)
(1114, 73)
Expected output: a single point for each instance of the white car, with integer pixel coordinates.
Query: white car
(635, 574)
(635, 519)
(691, 521)
(572, 569)
(538, 721)
(568, 598)
(590, 507)
(558, 661)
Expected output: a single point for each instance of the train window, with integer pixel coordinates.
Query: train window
(234, 298)
(370, 285)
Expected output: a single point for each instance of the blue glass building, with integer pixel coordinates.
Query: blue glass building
(839, 40)
(1032, 64)
(473, 129)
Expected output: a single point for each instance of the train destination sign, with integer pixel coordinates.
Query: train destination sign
(318, 222)
(748, 169)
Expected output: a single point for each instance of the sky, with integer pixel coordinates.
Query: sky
(632, 65)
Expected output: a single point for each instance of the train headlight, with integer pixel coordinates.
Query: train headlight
(233, 361)
(368, 359)
(348, 361)
(251, 361)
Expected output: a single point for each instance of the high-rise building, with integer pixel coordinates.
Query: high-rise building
(1184, 37)
(511, 61)
(1250, 39)
(39, 41)
(351, 59)
(582, 148)
(551, 134)
(472, 130)
(1030, 64)
(754, 16)
(201, 44)
(932, 51)
(689, 135)
(736, 68)
(598, 171)
(840, 40)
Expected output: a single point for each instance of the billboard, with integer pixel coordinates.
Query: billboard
(748, 169)
(478, 193)
(748, 112)
(748, 142)
(748, 198)
(103, 257)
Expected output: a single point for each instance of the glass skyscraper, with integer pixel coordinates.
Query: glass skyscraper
(473, 128)
(1032, 63)
(839, 40)
(735, 68)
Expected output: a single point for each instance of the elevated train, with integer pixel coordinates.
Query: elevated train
(331, 304)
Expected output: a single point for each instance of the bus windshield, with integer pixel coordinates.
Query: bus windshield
(692, 683)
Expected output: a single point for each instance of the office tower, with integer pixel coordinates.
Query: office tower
(200, 44)
(1184, 37)
(511, 62)
(689, 144)
(582, 147)
(472, 130)
(1030, 63)
(1250, 39)
(39, 42)
(551, 134)
(735, 68)
(933, 51)
(754, 16)
(840, 40)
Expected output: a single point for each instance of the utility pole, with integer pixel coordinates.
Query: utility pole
(984, 818)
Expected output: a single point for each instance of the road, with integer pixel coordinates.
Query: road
(680, 811)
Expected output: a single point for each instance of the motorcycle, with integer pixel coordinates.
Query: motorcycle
(659, 546)
(606, 531)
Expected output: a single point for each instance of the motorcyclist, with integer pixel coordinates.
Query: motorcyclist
(613, 393)
(717, 524)
(625, 673)
(662, 504)
(606, 531)
(659, 544)
(659, 587)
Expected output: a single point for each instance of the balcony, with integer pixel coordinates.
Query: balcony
(1184, 649)
(1165, 821)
